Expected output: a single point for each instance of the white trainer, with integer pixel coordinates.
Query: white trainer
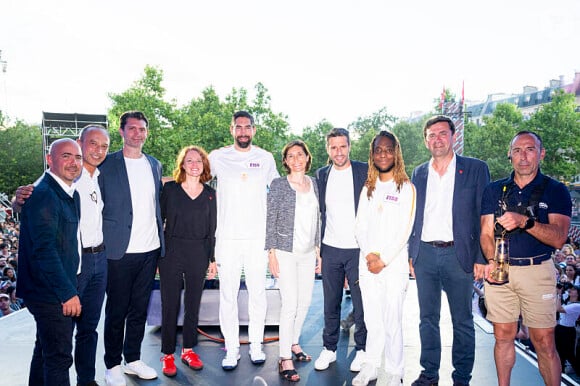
(395, 380)
(114, 376)
(257, 356)
(358, 361)
(367, 373)
(231, 359)
(140, 369)
(325, 359)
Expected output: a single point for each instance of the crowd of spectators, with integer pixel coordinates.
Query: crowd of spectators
(9, 232)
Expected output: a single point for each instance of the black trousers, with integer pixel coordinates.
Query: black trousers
(337, 264)
(176, 271)
(565, 341)
(129, 284)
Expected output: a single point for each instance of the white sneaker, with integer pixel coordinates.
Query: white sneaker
(358, 361)
(231, 359)
(140, 369)
(114, 376)
(257, 356)
(395, 380)
(325, 359)
(367, 373)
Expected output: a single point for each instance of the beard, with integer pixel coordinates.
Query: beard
(385, 170)
(244, 145)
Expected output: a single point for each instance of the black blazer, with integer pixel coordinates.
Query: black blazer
(471, 177)
(359, 176)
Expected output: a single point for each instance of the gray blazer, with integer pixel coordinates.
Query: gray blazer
(281, 213)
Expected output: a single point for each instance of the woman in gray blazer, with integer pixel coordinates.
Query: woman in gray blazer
(293, 241)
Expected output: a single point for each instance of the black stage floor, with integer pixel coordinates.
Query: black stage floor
(17, 336)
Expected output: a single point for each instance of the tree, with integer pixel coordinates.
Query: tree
(364, 129)
(558, 123)
(410, 136)
(147, 95)
(490, 142)
(21, 155)
(315, 138)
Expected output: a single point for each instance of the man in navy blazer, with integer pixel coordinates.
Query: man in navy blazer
(49, 260)
(444, 248)
(130, 183)
(339, 185)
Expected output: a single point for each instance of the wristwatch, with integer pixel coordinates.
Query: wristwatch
(530, 222)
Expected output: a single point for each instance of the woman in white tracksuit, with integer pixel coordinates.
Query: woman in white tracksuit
(384, 220)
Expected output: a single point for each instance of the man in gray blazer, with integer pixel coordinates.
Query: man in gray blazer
(444, 248)
(130, 183)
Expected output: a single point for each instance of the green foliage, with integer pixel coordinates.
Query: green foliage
(490, 142)
(147, 95)
(364, 129)
(20, 155)
(315, 138)
(204, 121)
(411, 138)
(558, 123)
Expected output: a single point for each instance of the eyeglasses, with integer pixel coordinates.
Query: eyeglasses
(93, 196)
(386, 150)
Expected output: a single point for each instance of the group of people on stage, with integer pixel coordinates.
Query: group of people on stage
(99, 223)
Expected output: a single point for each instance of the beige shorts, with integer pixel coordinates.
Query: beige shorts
(531, 292)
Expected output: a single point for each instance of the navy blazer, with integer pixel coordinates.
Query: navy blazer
(118, 210)
(471, 177)
(359, 176)
(48, 251)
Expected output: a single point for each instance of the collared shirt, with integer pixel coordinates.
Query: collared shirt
(70, 190)
(555, 199)
(91, 222)
(438, 220)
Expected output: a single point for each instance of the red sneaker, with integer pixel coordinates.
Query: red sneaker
(169, 369)
(192, 360)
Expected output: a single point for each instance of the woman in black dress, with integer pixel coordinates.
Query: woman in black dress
(188, 209)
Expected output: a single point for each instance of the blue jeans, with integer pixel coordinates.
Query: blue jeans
(337, 264)
(52, 356)
(129, 284)
(438, 269)
(92, 283)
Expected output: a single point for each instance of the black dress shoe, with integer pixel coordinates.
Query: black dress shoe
(91, 383)
(424, 381)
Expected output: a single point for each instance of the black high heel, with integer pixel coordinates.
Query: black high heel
(289, 374)
(301, 356)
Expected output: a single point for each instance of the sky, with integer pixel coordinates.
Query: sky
(319, 59)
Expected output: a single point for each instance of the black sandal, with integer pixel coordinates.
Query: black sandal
(301, 356)
(289, 374)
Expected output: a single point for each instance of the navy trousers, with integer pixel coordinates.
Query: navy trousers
(92, 283)
(337, 264)
(52, 355)
(438, 269)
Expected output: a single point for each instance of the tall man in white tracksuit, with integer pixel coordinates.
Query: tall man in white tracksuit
(243, 173)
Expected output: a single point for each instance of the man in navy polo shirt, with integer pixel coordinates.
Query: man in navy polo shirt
(534, 212)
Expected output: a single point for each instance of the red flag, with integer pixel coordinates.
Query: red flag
(442, 99)
(462, 93)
